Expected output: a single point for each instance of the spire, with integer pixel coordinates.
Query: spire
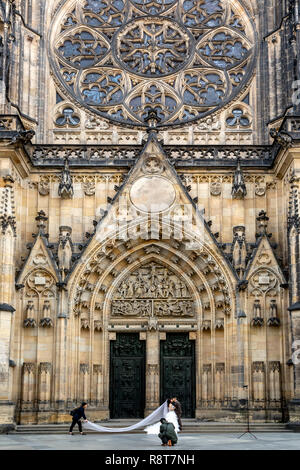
(239, 190)
(7, 206)
(65, 188)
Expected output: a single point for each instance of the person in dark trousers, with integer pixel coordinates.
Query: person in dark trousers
(167, 433)
(77, 414)
(178, 411)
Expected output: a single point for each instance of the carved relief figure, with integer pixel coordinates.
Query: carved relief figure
(152, 290)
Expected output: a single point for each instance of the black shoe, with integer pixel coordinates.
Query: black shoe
(83, 433)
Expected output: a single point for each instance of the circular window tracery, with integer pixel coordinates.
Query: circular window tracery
(185, 58)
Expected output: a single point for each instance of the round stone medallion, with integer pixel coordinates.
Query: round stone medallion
(152, 194)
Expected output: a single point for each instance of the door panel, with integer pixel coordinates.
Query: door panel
(177, 357)
(127, 376)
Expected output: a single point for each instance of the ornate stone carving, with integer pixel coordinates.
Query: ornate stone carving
(40, 258)
(206, 325)
(89, 188)
(41, 282)
(153, 165)
(273, 318)
(84, 324)
(97, 369)
(219, 324)
(262, 223)
(44, 188)
(7, 206)
(216, 188)
(65, 188)
(152, 290)
(29, 367)
(29, 323)
(274, 366)
(283, 138)
(84, 369)
(98, 325)
(65, 248)
(263, 281)
(258, 366)
(152, 369)
(239, 190)
(45, 367)
(257, 319)
(260, 190)
(220, 367)
(46, 322)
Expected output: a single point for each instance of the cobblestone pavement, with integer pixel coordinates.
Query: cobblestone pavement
(265, 441)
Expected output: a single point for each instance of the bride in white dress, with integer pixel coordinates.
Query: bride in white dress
(171, 417)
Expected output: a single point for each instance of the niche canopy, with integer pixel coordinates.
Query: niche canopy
(185, 58)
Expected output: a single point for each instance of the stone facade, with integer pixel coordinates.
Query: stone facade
(153, 197)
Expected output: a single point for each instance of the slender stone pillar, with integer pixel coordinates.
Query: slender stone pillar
(294, 404)
(60, 371)
(7, 272)
(152, 371)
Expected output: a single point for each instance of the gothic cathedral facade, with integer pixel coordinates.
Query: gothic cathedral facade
(149, 208)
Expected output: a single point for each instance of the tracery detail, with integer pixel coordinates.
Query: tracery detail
(185, 58)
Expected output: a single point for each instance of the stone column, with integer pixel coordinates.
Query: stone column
(44, 384)
(275, 382)
(152, 371)
(220, 382)
(61, 343)
(258, 380)
(28, 386)
(98, 384)
(7, 273)
(206, 385)
(84, 382)
(294, 404)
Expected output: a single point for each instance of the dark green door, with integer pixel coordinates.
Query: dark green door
(177, 371)
(127, 376)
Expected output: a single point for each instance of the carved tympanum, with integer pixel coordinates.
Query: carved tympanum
(152, 290)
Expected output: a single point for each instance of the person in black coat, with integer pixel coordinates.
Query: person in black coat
(77, 414)
(178, 410)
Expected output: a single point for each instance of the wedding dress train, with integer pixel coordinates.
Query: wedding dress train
(156, 415)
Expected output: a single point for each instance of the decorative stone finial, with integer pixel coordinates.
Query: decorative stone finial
(152, 118)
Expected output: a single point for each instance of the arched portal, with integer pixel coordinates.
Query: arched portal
(167, 297)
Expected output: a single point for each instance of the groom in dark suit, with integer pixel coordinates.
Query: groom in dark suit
(178, 411)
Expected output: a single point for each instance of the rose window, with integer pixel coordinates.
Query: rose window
(120, 58)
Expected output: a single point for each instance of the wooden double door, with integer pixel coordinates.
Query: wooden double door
(127, 374)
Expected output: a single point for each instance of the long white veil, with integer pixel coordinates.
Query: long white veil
(154, 417)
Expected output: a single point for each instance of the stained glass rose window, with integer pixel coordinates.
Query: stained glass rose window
(185, 58)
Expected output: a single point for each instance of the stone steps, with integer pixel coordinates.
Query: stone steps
(190, 426)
